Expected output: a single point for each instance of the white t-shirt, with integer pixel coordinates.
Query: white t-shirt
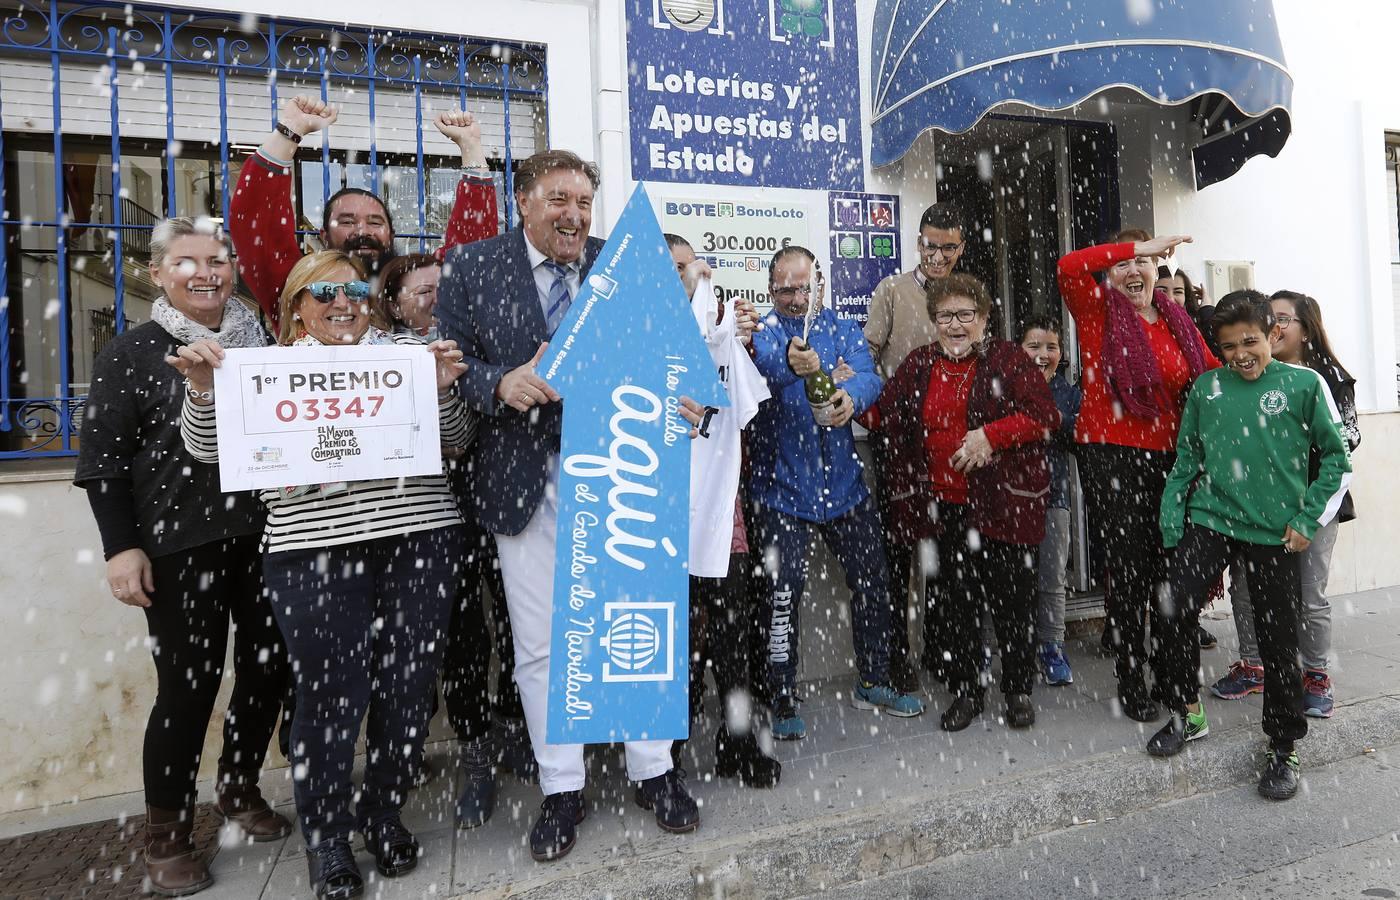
(716, 454)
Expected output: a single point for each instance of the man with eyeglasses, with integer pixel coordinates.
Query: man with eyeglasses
(263, 224)
(806, 476)
(898, 324)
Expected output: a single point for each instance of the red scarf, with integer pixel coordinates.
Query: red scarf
(1131, 369)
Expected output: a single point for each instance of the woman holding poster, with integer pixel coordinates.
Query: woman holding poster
(186, 554)
(361, 577)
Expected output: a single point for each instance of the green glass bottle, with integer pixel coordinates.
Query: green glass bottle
(820, 389)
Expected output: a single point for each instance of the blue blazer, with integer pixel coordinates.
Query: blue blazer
(489, 305)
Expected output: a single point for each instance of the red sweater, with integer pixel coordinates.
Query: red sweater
(1101, 418)
(263, 226)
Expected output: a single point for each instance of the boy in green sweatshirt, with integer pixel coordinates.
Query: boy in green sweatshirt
(1240, 489)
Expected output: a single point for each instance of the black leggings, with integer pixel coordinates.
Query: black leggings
(466, 661)
(723, 617)
(196, 592)
(1123, 489)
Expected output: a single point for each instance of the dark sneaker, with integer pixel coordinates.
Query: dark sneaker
(961, 713)
(332, 870)
(1134, 701)
(787, 722)
(740, 756)
(1054, 665)
(1241, 681)
(886, 699)
(1173, 736)
(1280, 778)
(1206, 638)
(393, 846)
(1019, 711)
(477, 799)
(555, 830)
(676, 811)
(1317, 694)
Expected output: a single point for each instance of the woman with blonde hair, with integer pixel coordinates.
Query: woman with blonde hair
(361, 577)
(186, 554)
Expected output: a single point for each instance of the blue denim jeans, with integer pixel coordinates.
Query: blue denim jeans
(365, 625)
(857, 542)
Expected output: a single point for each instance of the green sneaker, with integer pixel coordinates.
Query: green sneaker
(1174, 735)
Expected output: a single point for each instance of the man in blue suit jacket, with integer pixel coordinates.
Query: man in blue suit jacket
(501, 301)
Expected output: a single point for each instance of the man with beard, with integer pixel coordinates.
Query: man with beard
(262, 221)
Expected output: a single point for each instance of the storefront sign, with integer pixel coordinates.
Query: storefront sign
(759, 93)
(291, 416)
(737, 238)
(864, 248)
(623, 357)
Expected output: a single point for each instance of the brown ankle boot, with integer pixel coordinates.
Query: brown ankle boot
(239, 800)
(174, 867)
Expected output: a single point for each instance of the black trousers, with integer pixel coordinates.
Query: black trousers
(722, 622)
(466, 661)
(364, 624)
(1123, 488)
(1201, 558)
(197, 592)
(974, 577)
(899, 558)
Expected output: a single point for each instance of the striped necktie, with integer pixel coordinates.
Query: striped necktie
(557, 303)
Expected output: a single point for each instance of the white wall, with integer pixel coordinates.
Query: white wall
(1313, 220)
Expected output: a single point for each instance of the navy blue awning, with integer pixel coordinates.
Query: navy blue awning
(944, 64)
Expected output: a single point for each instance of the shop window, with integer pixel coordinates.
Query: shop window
(165, 131)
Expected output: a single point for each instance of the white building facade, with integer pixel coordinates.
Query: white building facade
(1320, 217)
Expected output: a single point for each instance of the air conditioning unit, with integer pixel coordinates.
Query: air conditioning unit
(1226, 275)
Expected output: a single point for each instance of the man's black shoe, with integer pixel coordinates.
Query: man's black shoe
(1134, 700)
(554, 832)
(331, 868)
(1019, 711)
(1280, 778)
(393, 846)
(676, 811)
(961, 713)
(740, 756)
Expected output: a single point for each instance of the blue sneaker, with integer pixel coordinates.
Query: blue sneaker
(1317, 694)
(787, 723)
(1241, 681)
(1054, 664)
(887, 699)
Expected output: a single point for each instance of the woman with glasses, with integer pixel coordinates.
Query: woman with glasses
(186, 554)
(1300, 339)
(967, 418)
(361, 576)
(1139, 352)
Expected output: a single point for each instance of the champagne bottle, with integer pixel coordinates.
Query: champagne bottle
(820, 389)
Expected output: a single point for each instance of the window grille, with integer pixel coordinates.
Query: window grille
(115, 115)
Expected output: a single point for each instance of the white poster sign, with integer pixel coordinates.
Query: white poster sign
(315, 415)
(738, 239)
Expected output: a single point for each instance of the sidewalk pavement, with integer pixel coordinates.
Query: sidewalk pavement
(863, 796)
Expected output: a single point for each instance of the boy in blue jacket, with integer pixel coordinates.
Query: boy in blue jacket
(802, 475)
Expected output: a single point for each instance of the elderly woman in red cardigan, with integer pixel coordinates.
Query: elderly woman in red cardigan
(1139, 353)
(968, 417)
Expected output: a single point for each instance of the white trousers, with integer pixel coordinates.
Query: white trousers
(527, 567)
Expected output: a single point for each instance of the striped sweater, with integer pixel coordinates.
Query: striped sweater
(355, 511)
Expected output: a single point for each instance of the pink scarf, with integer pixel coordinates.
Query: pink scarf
(1131, 369)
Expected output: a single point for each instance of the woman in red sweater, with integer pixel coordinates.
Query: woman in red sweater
(1139, 354)
(967, 418)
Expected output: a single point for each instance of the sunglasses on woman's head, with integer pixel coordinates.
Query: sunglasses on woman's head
(325, 291)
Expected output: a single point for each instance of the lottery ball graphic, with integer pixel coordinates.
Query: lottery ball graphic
(632, 641)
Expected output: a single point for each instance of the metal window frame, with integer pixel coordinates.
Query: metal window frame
(117, 34)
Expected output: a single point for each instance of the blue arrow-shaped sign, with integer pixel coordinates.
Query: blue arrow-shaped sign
(625, 354)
